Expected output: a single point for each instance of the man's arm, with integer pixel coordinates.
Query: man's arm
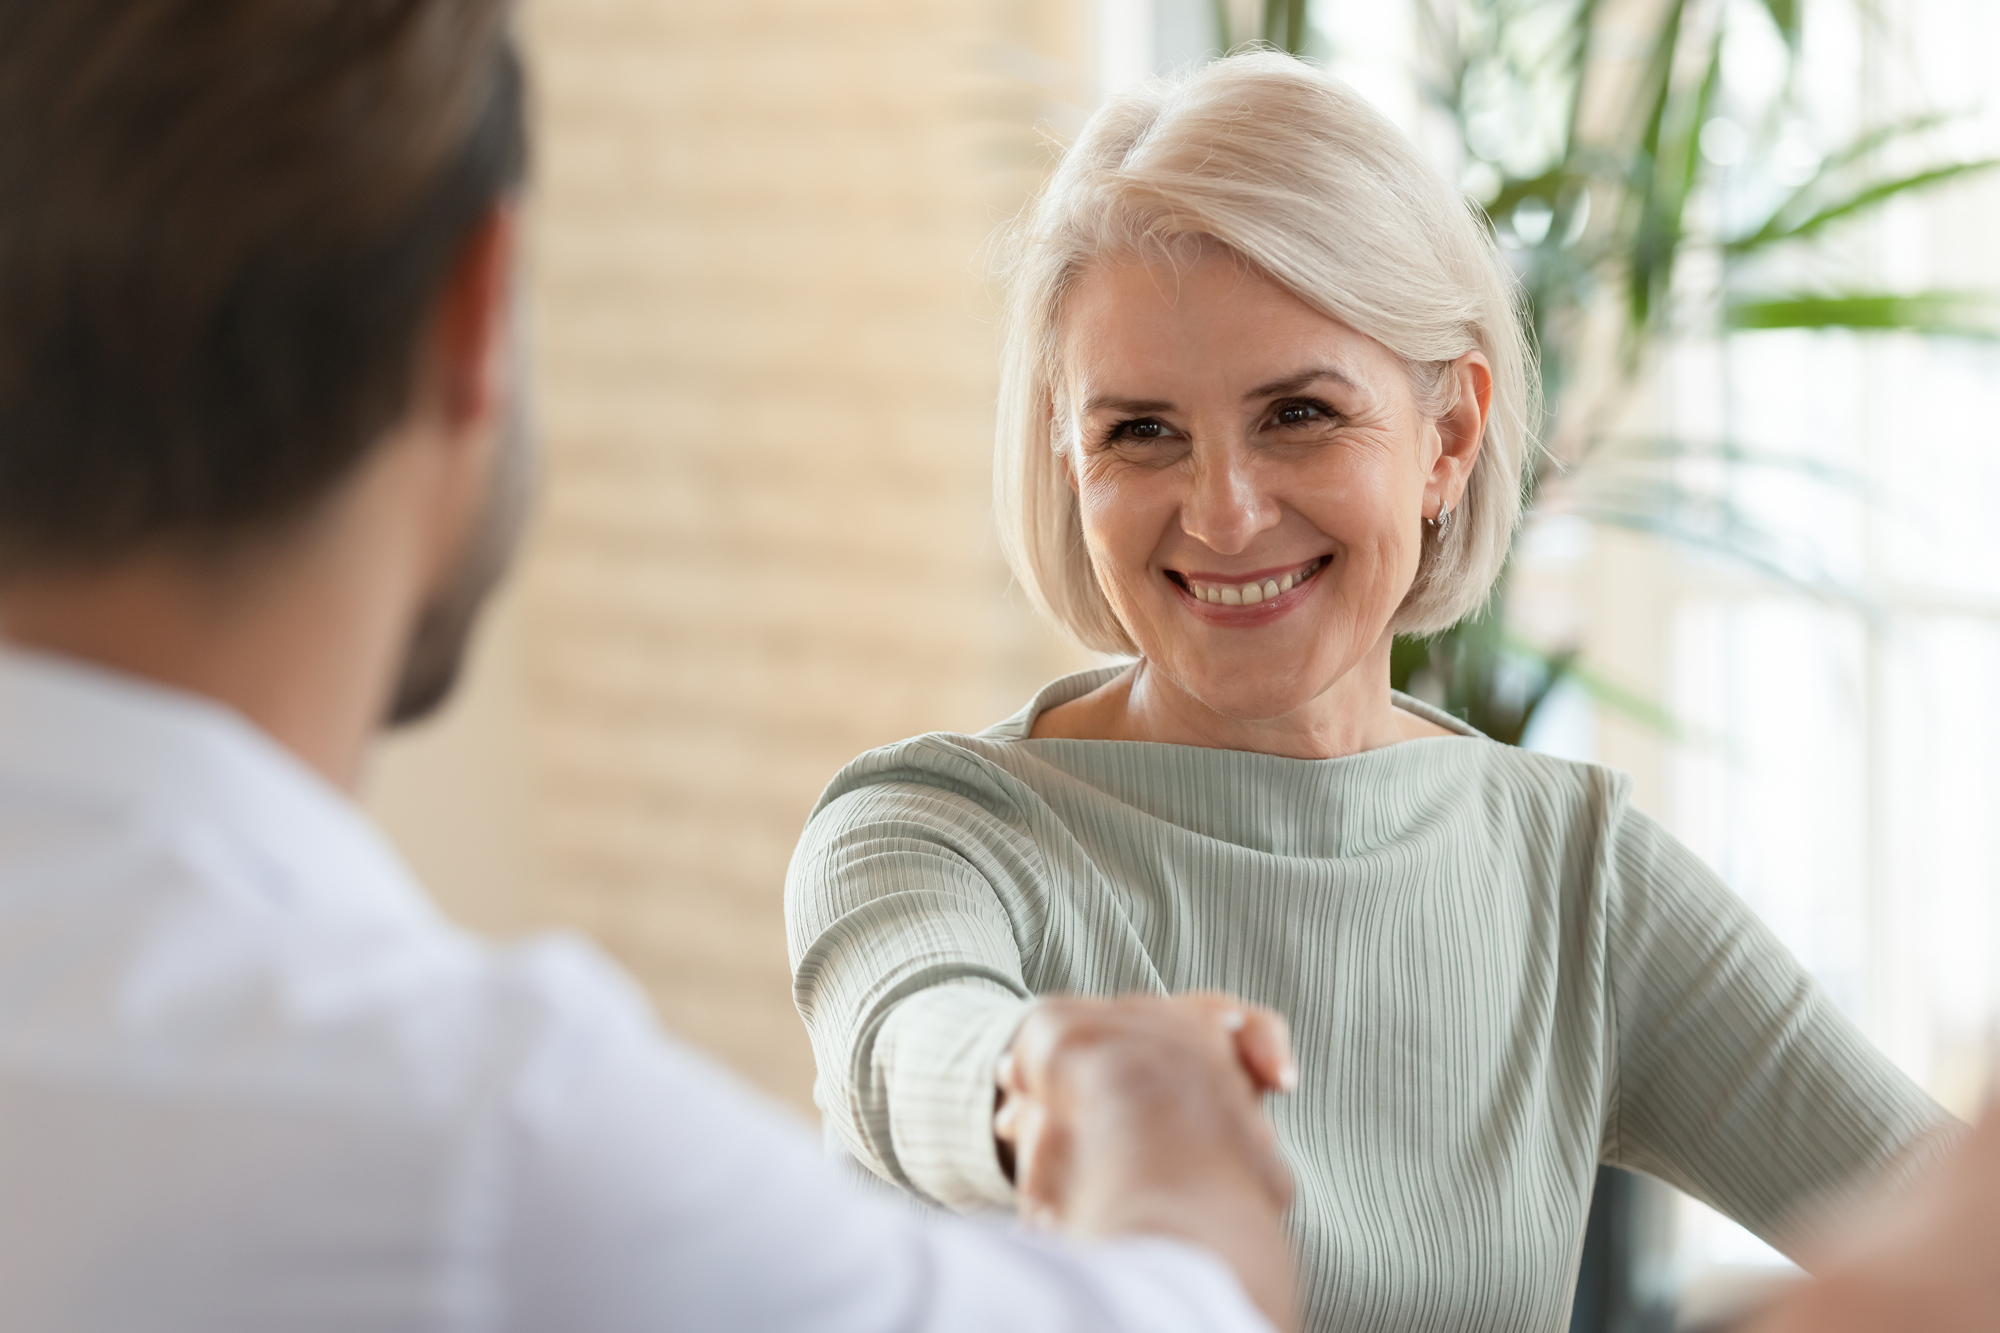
(645, 1188)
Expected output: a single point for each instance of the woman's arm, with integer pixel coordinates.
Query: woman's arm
(915, 906)
(1735, 1076)
(911, 910)
(1925, 1262)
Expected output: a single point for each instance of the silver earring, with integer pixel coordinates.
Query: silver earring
(1441, 525)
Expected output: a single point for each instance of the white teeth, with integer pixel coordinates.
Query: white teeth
(1250, 594)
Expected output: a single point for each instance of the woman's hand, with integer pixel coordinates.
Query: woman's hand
(1145, 1114)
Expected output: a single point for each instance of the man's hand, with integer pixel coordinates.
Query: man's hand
(1145, 1114)
(1927, 1262)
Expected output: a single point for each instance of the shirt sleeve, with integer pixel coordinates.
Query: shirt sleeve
(646, 1190)
(910, 910)
(1737, 1079)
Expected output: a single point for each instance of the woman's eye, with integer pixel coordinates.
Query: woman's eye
(1143, 429)
(1298, 414)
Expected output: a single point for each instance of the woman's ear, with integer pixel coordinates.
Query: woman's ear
(1462, 429)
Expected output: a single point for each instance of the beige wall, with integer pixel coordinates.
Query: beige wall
(764, 362)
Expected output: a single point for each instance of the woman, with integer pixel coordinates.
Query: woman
(1266, 405)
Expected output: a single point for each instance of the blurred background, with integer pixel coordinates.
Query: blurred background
(1761, 573)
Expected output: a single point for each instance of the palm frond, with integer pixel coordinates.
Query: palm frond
(1671, 148)
(1647, 712)
(1575, 55)
(1285, 25)
(1936, 314)
(1786, 14)
(1225, 25)
(1736, 542)
(1865, 145)
(1782, 226)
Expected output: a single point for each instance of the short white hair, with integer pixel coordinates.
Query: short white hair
(1298, 176)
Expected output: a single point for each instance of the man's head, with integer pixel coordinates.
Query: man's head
(227, 228)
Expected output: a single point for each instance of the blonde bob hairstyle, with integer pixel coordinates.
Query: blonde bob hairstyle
(1295, 174)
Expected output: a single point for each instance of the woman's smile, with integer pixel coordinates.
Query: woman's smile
(1246, 600)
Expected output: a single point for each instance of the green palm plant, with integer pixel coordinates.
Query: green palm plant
(1600, 217)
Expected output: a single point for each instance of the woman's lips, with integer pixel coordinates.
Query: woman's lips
(1207, 596)
(1247, 590)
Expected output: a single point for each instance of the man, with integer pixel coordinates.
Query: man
(256, 265)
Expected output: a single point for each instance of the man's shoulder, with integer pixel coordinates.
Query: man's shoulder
(185, 951)
(205, 1083)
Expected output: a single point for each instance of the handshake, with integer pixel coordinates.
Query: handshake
(1144, 1115)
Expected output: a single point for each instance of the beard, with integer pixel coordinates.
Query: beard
(435, 655)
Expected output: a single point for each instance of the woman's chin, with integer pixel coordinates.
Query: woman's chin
(1247, 702)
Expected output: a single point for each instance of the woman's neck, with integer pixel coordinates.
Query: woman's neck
(1354, 714)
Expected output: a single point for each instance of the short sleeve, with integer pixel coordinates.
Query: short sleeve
(1737, 1079)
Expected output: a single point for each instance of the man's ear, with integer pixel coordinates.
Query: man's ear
(469, 355)
(1461, 431)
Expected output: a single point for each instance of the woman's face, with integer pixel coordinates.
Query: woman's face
(1253, 477)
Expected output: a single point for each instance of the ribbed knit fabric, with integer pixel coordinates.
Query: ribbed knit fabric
(1497, 974)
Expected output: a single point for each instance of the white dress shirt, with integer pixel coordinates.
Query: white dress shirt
(251, 1080)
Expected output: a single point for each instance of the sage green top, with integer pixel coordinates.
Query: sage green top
(1497, 972)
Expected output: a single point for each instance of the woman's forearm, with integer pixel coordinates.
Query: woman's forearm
(921, 1094)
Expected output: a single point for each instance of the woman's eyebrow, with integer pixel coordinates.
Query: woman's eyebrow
(1289, 384)
(1134, 405)
(1293, 383)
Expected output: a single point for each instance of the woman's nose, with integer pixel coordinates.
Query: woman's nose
(1227, 505)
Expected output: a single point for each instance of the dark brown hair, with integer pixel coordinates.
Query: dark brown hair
(224, 225)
